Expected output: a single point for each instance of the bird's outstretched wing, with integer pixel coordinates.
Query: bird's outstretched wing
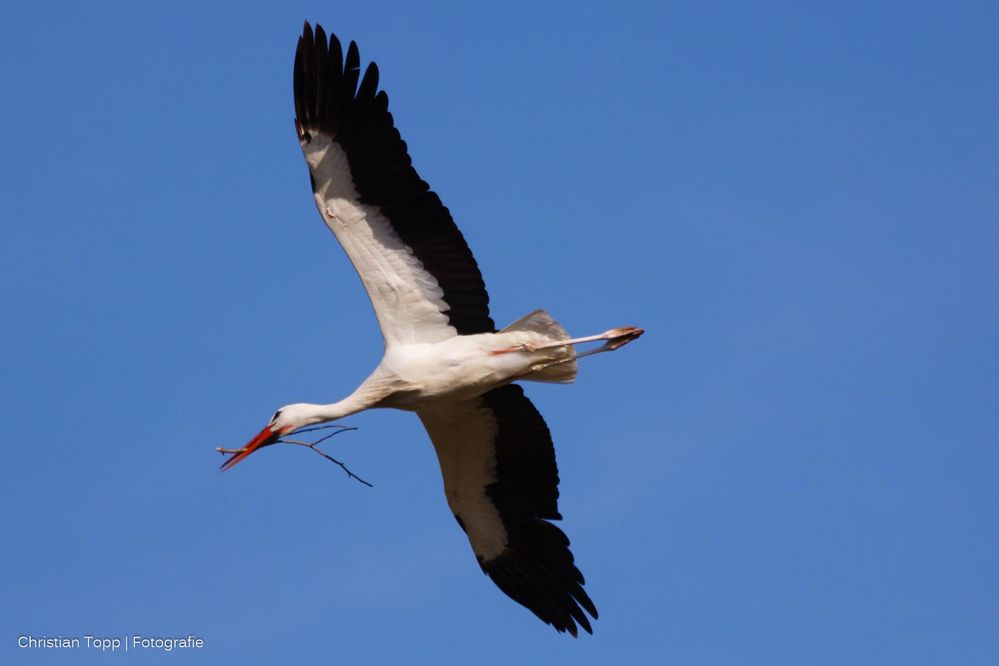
(422, 279)
(501, 482)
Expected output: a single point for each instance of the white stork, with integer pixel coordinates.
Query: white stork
(444, 358)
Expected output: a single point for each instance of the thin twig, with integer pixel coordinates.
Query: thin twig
(313, 446)
(338, 429)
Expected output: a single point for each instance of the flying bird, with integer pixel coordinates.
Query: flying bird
(444, 358)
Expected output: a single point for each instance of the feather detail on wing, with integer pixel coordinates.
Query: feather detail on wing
(501, 483)
(423, 281)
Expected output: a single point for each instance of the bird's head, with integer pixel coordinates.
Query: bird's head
(285, 420)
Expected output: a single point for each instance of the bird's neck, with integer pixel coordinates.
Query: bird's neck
(337, 410)
(365, 397)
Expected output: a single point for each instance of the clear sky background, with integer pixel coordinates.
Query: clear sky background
(798, 464)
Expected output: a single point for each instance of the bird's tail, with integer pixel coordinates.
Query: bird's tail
(559, 363)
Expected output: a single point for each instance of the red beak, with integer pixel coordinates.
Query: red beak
(263, 438)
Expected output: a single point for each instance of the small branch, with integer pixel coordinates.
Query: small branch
(337, 429)
(314, 447)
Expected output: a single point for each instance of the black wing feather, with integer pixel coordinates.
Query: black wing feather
(328, 100)
(537, 569)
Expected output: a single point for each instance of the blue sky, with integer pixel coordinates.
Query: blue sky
(798, 201)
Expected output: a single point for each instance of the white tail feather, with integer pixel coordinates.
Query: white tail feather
(559, 364)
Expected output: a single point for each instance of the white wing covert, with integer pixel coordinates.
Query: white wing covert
(501, 483)
(422, 279)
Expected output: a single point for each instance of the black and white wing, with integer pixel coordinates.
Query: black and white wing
(423, 281)
(501, 483)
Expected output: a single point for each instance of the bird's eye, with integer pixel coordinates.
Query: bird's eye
(276, 415)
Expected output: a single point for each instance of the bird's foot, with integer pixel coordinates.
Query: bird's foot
(619, 337)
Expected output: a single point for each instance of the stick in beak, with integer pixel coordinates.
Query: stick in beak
(264, 438)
